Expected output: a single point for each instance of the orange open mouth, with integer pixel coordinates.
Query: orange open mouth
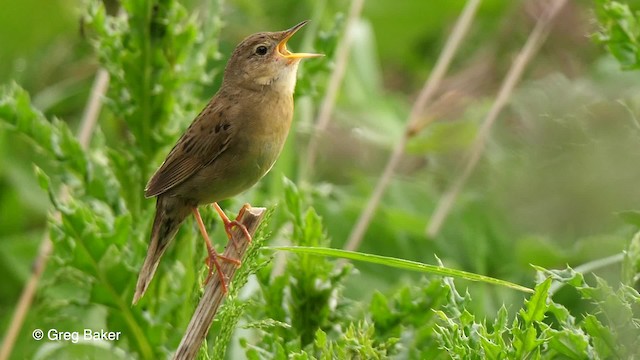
(282, 45)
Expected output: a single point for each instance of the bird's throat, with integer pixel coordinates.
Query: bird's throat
(284, 82)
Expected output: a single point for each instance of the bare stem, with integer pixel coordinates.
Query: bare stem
(213, 293)
(528, 51)
(431, 85)
(91, 112)
(326, 108)
(87, 126)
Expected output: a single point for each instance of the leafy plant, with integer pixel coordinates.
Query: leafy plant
(620, 31)
(300, 302)
(156, 62)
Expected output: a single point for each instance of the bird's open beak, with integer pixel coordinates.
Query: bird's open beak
(282, 45)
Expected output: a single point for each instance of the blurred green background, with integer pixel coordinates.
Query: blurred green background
(562, 160)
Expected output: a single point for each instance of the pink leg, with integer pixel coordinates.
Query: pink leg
(212, 258)
(229, 224)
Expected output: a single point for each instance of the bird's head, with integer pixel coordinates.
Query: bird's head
(263, 60)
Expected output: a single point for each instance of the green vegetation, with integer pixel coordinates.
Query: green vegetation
(556, 187)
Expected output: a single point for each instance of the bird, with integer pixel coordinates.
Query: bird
(229, 146)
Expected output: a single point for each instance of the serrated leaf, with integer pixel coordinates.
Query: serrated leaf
(379, 309)
(113, 270)
(620, 29)
(561, 314)
(312, 229)
(571, 343)
(631, 261)
(43, 179)
(292, 198)
(500, 323)
(603, 339)
(55, 137)
(536, 306)
(491, 350)
(280, 353)
(568, 276)
(320, 341)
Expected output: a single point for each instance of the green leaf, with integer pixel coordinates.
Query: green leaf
(399, 263)
(603, 339)
(321, 339)
(568, 276)
(292, 199)
(620, 32)
(537, 305)
(631, 261)
(379, 309)
(312, 229)
(55, 138)
(631, 217)
(44, 181)
(572, 343)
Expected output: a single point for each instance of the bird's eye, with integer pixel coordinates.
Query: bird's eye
(261, 50)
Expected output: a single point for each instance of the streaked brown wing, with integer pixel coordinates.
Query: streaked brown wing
(202, 143)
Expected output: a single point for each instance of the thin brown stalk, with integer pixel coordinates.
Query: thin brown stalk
(431, 85)
(328, 103)
(91, 112)
(87, 126)
(213, 294)
(528, 51)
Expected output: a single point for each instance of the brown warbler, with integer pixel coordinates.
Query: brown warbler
(229, 146)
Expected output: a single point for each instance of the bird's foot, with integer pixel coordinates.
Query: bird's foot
(234, 223)
(212, 262)
(230, 224)
(212, 258)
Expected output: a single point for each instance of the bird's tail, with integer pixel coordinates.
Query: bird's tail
(170, 213)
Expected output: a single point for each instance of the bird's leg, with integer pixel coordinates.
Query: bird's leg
(212, 258)
(229, 224)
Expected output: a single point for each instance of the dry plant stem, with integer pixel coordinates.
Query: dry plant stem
(326, 108)
(87, 126)
(91, 112)
(536, 38)
(26, 298)
(213, 293)
(444, 60)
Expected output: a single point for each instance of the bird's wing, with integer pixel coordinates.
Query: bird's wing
(207, 137)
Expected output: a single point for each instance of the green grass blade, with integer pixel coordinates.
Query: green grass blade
(400, 264)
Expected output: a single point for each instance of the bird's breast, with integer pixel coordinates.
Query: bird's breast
(269, 133)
